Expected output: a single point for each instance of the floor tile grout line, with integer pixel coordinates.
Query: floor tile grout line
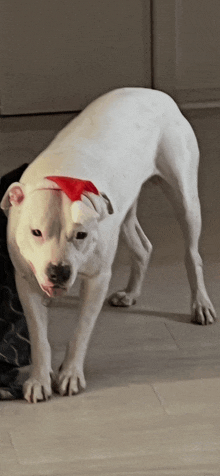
(14, 448)
(158, 398)
(171, 334)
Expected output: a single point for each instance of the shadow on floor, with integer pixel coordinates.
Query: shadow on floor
(172, 316)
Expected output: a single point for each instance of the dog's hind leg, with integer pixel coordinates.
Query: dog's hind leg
(181, 187)
(140, 248)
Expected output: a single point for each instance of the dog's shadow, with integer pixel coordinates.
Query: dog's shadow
(141, 311)
(171, 316)
(73, 301)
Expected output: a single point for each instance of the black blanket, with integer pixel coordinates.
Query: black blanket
(14, 339)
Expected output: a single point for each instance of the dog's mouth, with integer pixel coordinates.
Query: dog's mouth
(53, 291)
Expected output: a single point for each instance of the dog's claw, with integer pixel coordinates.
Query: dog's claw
(69, 382)
(121, 299)
(203, 313)
(34, 391)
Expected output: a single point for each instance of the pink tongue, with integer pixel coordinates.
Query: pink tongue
(53, 292)
(57, 292)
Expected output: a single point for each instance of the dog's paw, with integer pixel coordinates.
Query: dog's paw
(5, 395)
(37, 390)
(121, 299)
(70, 381)
(203, 312)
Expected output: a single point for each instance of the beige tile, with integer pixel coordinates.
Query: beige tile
(166, 444)
(190, 397)
(126, 332)
(195, 363)
(191, 335)
(188, 335)
(7, 451)
(165, 286)
(115, 429)
(121, 467)
(109, 423)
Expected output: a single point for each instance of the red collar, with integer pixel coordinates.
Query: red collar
(74, 188)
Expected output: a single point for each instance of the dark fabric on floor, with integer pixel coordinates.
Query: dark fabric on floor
(14, 339)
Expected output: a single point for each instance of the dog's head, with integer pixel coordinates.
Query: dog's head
(55, 236)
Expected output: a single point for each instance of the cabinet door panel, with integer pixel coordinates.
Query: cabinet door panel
(57, 55)
(186, 53)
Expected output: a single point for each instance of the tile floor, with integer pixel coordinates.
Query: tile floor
(153, 379)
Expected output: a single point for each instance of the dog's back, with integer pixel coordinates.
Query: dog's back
(113, 142)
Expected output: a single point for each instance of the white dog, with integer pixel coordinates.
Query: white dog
(66, 212)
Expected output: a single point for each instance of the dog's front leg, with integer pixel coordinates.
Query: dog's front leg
(38, 385)
(71, 375)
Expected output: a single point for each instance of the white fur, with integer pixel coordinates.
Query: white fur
(118, 142)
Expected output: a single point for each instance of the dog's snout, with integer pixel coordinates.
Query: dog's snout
(58, 274)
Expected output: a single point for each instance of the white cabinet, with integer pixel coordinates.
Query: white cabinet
(186, 49)
(57, 55)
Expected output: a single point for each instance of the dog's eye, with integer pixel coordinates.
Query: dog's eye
(36, 232)
(81, 235)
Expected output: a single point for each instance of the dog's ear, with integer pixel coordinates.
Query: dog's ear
(82, 214)
(100, 203)
(13, 196)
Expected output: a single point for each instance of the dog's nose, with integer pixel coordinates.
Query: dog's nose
(58, 274)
